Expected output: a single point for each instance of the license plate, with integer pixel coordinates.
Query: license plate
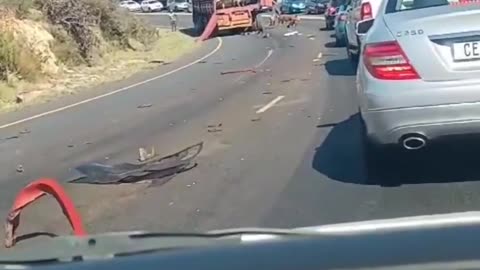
(466, 50)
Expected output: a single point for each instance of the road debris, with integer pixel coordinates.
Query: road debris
(189, 186)
(238, 71)
(202, 62)
(154, 169)
(217, 125)
(12, 137)
(214, 130)
(220, 99)
(143, 106)
(291, 33)
(310, 35)
(285, 81)
(19, 168)
(24, 131)
(143, 155)
(256, 119)
(267, 93)
(170, 203)
(158, 62)
(311, 38)
(70, 145)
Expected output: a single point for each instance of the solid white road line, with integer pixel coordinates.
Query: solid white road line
(220, 43)
(270, 104)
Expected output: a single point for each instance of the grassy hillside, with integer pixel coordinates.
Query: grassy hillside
(53, 47)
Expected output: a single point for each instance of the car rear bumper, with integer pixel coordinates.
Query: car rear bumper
(433, 122)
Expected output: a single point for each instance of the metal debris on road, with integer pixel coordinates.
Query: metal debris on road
(20, 169)
(238, 71)
(158, 170)
(147, 105)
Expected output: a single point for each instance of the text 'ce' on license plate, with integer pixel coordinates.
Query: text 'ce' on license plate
(466, 50)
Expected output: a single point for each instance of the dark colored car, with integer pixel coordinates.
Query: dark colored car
(316, 6)
(293, 6)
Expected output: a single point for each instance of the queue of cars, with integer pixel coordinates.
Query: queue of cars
(418, 71)
(155, 5)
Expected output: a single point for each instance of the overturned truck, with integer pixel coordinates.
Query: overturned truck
(210, 16)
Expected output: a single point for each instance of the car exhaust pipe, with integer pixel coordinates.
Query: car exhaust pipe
(414, 142)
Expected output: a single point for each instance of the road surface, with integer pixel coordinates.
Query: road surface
(289, 152)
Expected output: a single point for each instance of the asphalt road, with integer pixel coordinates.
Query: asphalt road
(297, 163)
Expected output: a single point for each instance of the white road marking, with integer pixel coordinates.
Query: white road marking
(270, 52)
(220, 43)
(270, 104)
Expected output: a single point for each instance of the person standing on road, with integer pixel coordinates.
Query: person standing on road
(173, 20)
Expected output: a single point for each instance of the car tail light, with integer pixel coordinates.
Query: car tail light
(387, 61)
(366, 11)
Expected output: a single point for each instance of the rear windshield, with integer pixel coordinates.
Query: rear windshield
(402, 5)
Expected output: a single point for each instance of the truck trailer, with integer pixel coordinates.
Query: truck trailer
(210, 16)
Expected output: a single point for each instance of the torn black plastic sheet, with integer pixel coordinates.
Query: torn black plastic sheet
(158, 170)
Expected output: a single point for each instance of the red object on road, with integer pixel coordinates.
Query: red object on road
(209, 29)
(34, 191)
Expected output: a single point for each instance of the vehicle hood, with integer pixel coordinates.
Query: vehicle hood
(66, 248)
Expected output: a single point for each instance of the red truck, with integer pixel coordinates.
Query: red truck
(220, 15)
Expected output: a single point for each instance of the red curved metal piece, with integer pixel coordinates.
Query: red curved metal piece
(34, 191)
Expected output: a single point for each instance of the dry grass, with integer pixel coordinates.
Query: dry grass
(117, 65)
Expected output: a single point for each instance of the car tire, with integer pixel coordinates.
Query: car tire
(353, 57)
(339, 42)
(374, 157)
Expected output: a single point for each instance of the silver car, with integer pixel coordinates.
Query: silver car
(419, 73)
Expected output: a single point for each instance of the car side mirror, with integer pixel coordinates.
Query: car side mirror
(364, 26)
